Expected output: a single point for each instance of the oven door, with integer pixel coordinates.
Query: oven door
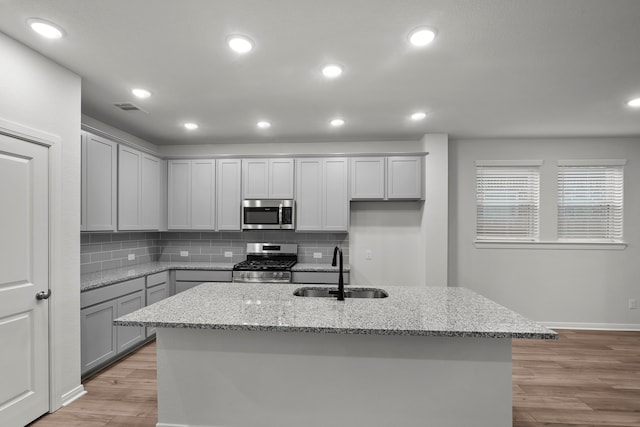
(261, 214)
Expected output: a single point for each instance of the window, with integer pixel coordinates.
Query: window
(507, 200)
(590, 196)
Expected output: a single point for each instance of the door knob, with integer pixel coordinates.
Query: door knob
(43, 295)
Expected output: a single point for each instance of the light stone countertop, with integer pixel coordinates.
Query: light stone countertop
(423, 311)
(99, 279)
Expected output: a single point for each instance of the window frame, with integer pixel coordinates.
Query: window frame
(612, 201)
(509, 165)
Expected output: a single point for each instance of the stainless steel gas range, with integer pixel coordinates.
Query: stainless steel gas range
(267, 262)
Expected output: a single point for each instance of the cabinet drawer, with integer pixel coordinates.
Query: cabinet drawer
(110, 292)
(157, 279)
(203, 276)
(319, 277)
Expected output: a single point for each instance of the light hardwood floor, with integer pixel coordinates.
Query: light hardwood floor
(586, 379)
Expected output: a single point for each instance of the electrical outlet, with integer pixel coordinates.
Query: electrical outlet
(228, 254)
(131, 257)
(317, 255)
(368, 254)
(633, 303)
(184, 253)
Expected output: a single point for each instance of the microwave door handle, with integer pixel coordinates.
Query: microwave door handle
(280, 215)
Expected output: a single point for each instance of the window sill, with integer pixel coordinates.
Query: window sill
(555, 245)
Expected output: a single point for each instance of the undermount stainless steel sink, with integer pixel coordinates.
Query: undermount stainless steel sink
(348, 293)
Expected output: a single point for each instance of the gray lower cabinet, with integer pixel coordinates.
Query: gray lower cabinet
(128, 336)
(101, 341)
(318, 277)
(187, 279)
(98, 335)
(157, 290)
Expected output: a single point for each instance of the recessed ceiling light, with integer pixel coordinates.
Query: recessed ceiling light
(336, 123)
(45, 28)
(263, 124)
(191, 126)
(332, 71)
(422, 36)
(634, 103)
(141, 93)
(418, 115)
(240, 44)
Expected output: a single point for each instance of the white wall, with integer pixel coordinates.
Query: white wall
(582, 288)
(40, 94)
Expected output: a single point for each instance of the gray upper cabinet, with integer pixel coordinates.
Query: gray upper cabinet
(191, 200)
(138, 190)
(335, 215)
(228, 194)
(267, 178)
(387, 178)
(203, 188)
(99, 183)
(322, 201)
(367, 178)
(179, 194)
(404, 177)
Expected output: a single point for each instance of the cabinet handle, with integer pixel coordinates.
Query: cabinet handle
(43, 295)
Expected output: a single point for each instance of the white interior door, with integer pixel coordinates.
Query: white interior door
(24, 272)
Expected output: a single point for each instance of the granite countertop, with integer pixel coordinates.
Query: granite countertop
(107, 277)
(96, 280)
(424, 311)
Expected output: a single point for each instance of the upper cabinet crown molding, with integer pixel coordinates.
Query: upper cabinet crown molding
(267, 178)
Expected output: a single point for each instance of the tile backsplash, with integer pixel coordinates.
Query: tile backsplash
(102, 251)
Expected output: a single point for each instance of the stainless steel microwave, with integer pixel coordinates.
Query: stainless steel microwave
(268, 215)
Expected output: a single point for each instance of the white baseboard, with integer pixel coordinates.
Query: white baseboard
(593, 326)
(72, 395)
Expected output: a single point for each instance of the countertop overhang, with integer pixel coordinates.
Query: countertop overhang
(418, 311)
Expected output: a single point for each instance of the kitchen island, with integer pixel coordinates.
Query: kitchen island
(247, 355)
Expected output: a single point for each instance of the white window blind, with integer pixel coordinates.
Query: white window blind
(590, 202)
(507, 202)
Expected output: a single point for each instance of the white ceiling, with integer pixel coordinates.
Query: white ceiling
(498, 68)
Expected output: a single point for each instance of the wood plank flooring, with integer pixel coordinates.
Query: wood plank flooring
(584, 379)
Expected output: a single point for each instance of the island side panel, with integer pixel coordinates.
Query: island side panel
(279, 379)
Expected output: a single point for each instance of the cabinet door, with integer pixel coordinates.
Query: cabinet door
(129, 335)
(228, 194)
(128, 188)
(367, 178)
(183, 286)
(149, 192)
(309, 194)
(404, 180)
(155, 294)
(281, 179)
(255, 178)
(179, 195)
(335, 195)
(99, 183)
(203, 194)
(98, 335)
